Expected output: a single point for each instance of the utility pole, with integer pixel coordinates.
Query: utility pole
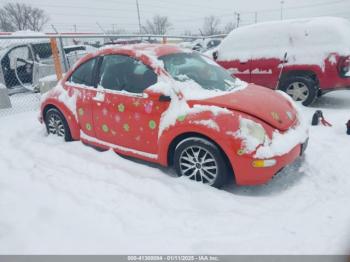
(256, 17)
(238, 19)
(282, 3)
(114, 26)
(75, 28)
(138, 15)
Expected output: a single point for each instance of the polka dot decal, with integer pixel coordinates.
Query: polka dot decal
(81, 111)
(105, 128)
(152, 124)
(240, 152)
(136, 103)
(88, 126)
(126, 127)
(181, 118)
(121, 108)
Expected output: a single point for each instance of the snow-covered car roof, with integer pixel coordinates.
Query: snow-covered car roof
(298, 37)
(151, 50)
(15, 42)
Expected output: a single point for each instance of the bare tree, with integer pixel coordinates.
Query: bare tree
(159, 25)
(211, 25)
(19, 16)
(229, 27)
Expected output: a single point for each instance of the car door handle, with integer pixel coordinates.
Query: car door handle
(100, 97)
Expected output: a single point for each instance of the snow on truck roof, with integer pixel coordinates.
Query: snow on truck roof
(269, 39)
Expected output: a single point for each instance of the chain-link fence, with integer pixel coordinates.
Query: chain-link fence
(30, 64)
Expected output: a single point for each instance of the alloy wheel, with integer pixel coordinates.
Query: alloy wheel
(298, 91)
(198, 164)
(55, 125)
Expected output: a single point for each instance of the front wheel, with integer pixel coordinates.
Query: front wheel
(200, 160)
(301, 88)
(57, 125)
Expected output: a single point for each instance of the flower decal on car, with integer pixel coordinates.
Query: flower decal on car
(121, 108)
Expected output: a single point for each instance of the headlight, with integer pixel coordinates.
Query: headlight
(252, 134)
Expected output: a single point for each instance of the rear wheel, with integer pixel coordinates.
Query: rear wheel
(301, 88)
(57, 125)
(200, 160)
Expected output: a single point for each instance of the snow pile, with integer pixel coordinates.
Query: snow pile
(307, 41)
(66, 198)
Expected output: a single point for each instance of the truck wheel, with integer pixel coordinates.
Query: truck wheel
(200, 160)
(301, 88)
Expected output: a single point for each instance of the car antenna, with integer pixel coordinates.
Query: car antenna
(282, 67)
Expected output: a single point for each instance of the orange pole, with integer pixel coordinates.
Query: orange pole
(56, 58)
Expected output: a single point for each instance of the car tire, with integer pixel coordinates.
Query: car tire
(56, 124)
(301, 88)
(201, 160)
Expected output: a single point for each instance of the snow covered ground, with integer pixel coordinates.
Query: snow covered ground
(58, 197)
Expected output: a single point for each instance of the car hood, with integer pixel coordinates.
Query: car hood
(260, 102)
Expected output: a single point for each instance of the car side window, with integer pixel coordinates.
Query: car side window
(42, 51)
(124, 73)
(83, 75)
(22, 52)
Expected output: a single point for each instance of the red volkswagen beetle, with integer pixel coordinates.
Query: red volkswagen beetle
(176, 108)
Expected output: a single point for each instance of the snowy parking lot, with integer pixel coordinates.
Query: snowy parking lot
(58, 197)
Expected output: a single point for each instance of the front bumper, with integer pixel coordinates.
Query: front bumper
(247, 175)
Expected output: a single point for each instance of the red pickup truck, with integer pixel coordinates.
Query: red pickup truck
(306, 58)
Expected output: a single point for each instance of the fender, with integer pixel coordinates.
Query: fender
(222, 137)
(69, 116)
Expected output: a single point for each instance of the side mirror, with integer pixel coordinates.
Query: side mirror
(215, 55)
(157, 96)
(164, 98)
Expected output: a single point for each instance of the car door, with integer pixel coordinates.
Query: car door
(239, 68)
(17, 66)
(123, 114)
(266, 71)
(44, 64)
(83, 85)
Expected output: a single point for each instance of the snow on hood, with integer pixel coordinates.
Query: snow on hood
(307, 41)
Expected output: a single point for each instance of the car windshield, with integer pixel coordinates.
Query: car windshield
(205, 72)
